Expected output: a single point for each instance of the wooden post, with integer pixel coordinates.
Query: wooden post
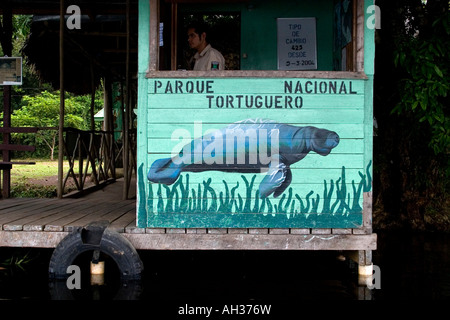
(126, 122)
(109, 124)
(7, 50)
(354, 37)
(154, 30)
(107, 103)
(61, 101)
(92, 96)
(174, 36)
(6, 156)
(360, 21)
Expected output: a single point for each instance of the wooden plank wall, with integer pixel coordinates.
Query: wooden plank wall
(179, 110)
(174, 109)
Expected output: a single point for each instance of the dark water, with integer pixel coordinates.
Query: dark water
(413, 267)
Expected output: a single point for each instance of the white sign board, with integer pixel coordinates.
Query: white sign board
(297, 46)
(10, 71)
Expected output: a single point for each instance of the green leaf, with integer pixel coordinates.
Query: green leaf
(439, 118)
(423, 105)
(438, 71)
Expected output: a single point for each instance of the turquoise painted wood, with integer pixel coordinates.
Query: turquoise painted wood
(190, 139)
(143, 63)
(326, 191)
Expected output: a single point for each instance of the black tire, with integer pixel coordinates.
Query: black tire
(111, 243)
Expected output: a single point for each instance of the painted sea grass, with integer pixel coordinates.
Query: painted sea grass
(327, 197)
(249, 187)
(303, 208)
(283, 208)
(181, 198)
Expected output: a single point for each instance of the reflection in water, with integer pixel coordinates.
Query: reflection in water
(413, 266)
(130, 290)
(249, 275)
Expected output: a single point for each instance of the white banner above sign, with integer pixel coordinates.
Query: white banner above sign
(10, 71)
(297, 45)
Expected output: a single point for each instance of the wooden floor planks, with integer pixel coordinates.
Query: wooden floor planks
(18, 212)
(107, 211)
(41, 223)
(58, 215)
(38, 213)
(45, 222)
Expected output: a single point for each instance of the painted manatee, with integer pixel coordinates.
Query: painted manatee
(244, 147)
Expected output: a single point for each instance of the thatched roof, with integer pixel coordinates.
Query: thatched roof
(52, 7)
(99, 47)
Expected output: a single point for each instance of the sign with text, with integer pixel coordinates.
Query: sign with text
(10, 71)
(297, 47)
(253, 153)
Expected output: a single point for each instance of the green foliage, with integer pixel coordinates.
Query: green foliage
(21, 28)
(22, 189)
(34, 104)
(19, 259)
(424, 89)
(42, 110)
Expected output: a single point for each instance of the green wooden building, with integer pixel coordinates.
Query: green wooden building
(272, 153)
(214, 189)
(278, 143)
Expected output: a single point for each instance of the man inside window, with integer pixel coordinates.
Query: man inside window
(206, 58)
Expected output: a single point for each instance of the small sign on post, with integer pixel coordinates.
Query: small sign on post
(11, 71)
(297, 47)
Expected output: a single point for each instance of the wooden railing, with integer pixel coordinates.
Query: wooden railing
(5, 162)
(90, 154)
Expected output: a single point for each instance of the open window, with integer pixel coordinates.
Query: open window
(248, 34)
(224, 33)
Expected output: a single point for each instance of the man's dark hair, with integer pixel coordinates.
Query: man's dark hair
(199, 27)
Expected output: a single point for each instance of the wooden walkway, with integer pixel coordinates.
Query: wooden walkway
(43, 223)
(64, 215)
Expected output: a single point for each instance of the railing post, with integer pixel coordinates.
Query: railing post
(126, 138)
(61, 102)
(109, 126)
(7, 50)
